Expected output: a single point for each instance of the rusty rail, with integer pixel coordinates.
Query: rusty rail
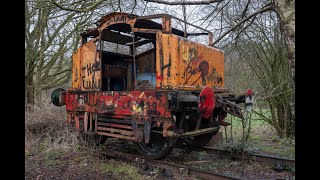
(254, 157)
(190, 171)
(271, 159)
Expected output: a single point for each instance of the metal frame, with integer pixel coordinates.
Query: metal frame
(167, 17)
(166, 24)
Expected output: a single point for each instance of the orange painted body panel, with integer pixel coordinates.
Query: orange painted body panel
(76, 70)
(91, 75)
(183, 64)
(86, 73)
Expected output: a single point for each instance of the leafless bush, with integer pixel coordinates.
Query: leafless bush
(46, 124)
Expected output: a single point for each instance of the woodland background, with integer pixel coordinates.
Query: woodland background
(257, 36)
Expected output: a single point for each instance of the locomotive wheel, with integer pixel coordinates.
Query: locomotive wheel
(158, 147)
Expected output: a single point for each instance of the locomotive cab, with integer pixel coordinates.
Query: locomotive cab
(136, 79)
(118, 69)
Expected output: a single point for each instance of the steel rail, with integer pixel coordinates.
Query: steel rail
(249, 156)
(190, 171)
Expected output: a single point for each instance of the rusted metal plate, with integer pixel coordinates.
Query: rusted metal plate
(115, 125)
(86, 68)
(117, 135)
(76, 70)
(183, 64)
(85, 121)
(135, 103)
(166, 23)
(112, 130)
(90, 67)
(71, 101)
(90, 119)
(116, 18)
(77, 119)
(142, 104)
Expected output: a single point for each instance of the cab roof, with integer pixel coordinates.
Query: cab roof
(140, 22)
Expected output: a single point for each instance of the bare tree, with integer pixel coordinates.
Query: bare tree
(51, 34)
(286, 12)
(264, 60)
(184, 2)
(247, 11)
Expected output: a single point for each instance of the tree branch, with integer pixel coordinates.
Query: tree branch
(52, 75)
(267, 8)
(184, 2)
(93, 6)
(245, 9)
(135, 4)
(119, 6)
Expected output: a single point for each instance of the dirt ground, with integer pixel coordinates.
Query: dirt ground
(62, 165)
(85, 163)
(57, 164)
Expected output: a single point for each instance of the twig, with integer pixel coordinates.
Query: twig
(270, 7)
(78, 10)
(184, 2)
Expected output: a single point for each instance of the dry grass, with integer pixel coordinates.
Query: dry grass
(46, 127)
(53, 150)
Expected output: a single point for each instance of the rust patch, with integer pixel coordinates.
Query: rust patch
(186, 64)
(149, 103)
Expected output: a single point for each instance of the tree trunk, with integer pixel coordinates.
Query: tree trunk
(29, 90)
(286, 12)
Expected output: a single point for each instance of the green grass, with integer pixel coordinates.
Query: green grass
(263, 137)
(53, 157)
(79, 159)
(202, 156)
(278, 148)
(121, 169)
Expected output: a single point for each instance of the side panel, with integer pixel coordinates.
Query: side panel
(183, 64)
(167, 61)
(90, 67)
(142, 104)
(76, 70)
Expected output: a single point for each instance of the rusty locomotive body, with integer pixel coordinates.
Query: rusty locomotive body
(171, 91)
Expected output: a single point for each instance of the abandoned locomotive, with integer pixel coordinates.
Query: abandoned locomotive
(165, 89)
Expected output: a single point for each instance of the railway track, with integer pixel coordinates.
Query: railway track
(181, 169)
(279, 161)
